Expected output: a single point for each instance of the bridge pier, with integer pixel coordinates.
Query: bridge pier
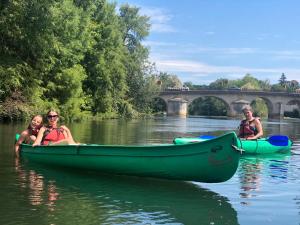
(278, 111)
(177, 107)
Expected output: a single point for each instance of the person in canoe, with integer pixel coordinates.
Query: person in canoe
(30, 134)
(52, 134)
(250, 128)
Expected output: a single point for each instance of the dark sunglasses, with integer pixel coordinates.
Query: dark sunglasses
(52, 116)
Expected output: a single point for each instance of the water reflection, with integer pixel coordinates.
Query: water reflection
(254, 169)
(90, 199)
(39, 192)
(250, 177)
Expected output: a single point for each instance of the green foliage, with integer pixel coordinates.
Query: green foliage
(219, 84)
(106, 77)
(260, 108)
(140, 81)
(158, 105)
(41, 41)
(69, 93)
(135, 27)
(265, 85)
(248, 82)
(277, 87)
(208, 106)
(75, 56)
(169, 80)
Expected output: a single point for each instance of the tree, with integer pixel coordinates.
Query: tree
(169, 80)
(209, 106)
(219, 84)
(265, 85)
(135, 28)
(104, 61)
(283, 80)
(40, 41)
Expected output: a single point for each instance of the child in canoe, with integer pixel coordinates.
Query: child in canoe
(29, 135)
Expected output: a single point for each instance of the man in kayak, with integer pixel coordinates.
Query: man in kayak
(52, 134)
(250, 128)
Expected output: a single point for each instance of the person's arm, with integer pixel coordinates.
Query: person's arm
(39, 137)
(259, 128)
(21, 139)
(68, 135)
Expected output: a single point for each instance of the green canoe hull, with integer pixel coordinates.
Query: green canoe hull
(210, 161)
(259, 146)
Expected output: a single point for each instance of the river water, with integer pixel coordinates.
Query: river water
(264, 190)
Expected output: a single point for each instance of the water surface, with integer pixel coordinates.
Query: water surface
(265, 190)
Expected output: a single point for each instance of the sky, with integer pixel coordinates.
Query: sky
(204, 40)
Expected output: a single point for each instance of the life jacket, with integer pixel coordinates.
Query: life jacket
(53, 135)
(34, 131)
(246, 130)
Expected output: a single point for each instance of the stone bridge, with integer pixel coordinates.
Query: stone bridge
(277, 102)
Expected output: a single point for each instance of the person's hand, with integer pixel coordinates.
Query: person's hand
(64, 127)
(250, 138)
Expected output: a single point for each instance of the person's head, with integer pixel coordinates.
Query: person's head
(36, 121)
(52, 117)
(247, 111)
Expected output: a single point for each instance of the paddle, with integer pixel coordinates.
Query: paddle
(206, 137)
(278, 140)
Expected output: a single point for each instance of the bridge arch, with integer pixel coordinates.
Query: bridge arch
(226, 104)
(159, 105)
(275, 101)
(268, 103)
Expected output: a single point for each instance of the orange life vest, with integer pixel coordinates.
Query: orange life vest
(53, 135)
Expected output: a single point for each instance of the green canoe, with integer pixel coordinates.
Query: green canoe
(211, 161)
(272, 144)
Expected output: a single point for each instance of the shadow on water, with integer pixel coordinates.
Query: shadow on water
(81, 198)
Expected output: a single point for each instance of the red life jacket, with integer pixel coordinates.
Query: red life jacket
(53, 135)
(34, 131)
(246, 130)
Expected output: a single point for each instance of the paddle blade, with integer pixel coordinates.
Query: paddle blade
(278, 140)
(206, 137)
(17, 137)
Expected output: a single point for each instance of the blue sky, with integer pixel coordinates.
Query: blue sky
(203, 40)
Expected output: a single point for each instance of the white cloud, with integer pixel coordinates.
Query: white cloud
(198, 69)
(159, 19)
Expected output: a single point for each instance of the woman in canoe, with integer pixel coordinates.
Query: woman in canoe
(29, 135)
(52, 134)
(250, 128)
